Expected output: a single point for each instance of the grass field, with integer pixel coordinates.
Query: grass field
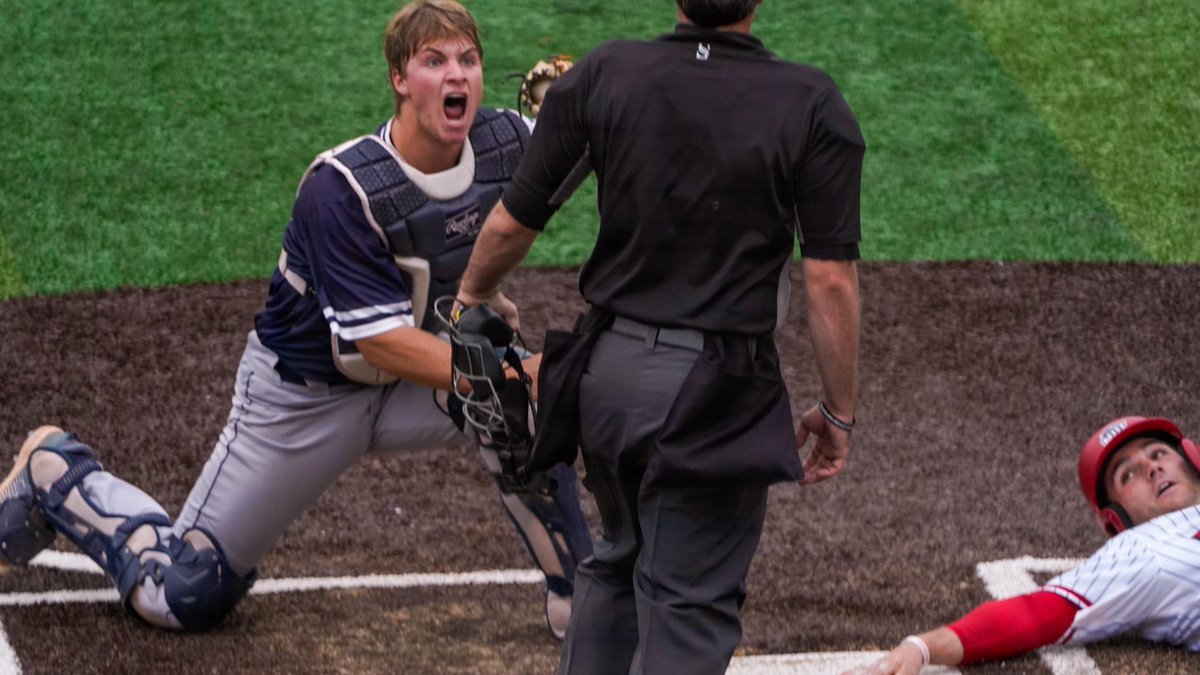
(148, 143)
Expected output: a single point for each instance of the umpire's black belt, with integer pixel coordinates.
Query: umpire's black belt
(686, 338)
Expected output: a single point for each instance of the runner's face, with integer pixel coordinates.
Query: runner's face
(443, 84)
(1148, 478)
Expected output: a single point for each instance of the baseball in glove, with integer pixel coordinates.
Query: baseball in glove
(538, 79)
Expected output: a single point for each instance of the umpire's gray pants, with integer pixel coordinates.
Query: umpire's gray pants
(664, 589)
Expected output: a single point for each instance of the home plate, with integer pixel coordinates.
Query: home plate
(812, 664)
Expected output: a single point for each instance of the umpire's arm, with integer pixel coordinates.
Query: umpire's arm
(827, 210)
(502, 245)
(833, 323)
(543, 178)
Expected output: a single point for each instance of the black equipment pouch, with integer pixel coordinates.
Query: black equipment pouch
(565, 356)
(731, 423)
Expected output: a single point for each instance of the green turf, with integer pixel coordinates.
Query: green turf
(148, 143)
(153, 142)
(1117, 82)
(959, 165)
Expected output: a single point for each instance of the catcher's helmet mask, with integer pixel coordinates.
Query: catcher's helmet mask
(1104, 443)
(498, 408)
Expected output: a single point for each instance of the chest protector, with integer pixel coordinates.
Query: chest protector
(431, 239)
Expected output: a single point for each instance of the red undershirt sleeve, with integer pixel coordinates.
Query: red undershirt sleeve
(1005, 628)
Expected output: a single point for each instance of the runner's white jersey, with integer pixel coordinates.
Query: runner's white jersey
(1143, 582)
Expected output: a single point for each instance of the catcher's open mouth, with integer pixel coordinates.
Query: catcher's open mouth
(455, 106)
(1164, 487)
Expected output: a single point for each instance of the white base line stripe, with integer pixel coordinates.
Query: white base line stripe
(482, 578)
(270, 586)
(68, 562)
(58, 597)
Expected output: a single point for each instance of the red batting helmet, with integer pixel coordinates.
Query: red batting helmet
(1104, 444)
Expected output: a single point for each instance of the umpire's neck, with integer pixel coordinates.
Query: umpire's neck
(742, 26)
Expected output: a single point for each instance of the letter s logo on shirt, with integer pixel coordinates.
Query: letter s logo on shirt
(702, 51)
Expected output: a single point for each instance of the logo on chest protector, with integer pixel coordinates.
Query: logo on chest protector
(463, 224)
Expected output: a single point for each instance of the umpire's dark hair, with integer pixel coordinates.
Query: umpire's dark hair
(716, 13)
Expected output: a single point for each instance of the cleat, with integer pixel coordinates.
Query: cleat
(24, 531)
(558, 614)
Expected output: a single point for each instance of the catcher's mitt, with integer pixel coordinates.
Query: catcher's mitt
(538, 79)
(498, 409)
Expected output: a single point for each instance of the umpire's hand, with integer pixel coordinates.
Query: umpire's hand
(829, 450)
(497, 301)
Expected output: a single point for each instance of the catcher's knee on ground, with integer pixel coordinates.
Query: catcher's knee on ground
(550, 520)
(184, 583)
(171, 582)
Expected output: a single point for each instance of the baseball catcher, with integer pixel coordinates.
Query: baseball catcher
(340, 363)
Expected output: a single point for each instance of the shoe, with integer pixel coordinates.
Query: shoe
(24, 531)
(558, 614)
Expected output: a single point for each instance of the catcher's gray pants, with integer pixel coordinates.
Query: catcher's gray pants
(284, 444)
(664, 588)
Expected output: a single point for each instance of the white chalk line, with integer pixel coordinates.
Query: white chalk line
(77, 562)
(820, 663)
(1002, 578)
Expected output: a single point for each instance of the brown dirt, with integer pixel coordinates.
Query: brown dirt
(979, 382)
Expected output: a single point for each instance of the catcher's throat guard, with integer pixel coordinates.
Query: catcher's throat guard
(498, 408)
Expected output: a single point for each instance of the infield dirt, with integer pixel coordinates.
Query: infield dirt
(979, 383)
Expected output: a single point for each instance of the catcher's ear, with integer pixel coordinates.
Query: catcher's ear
(399, 83)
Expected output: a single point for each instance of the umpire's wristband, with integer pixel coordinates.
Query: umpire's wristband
(832, 419)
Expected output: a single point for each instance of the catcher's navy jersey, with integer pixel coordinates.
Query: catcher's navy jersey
(354, 286)
(338, 275)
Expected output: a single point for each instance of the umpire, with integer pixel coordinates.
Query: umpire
(712, 155)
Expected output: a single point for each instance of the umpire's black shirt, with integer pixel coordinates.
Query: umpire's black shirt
(709, 151)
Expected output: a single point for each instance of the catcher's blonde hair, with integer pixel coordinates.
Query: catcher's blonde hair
(421, 22)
